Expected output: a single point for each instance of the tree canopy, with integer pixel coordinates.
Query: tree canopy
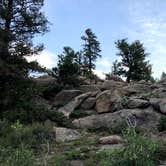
(91, 49)
(133, 64)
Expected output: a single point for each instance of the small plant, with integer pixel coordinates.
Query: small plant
(17, 125)
(78, 114)
(162, 124)
(138, 151)
(20, 157)
(73, 155)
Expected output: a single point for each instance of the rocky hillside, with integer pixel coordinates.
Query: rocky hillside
(111, 105)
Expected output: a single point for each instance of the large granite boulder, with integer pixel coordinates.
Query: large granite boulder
(146, 119)
(108, 101)
(65, 96)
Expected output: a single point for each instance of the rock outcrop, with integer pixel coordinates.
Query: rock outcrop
(145, 119)
(65, 96)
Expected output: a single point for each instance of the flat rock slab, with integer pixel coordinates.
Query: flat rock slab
(65, 135)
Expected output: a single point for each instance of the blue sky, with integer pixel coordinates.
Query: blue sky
(110, 20)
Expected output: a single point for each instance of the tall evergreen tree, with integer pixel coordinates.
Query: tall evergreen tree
(20, 21)
(68, 69)
(133, 64)
(91, 49)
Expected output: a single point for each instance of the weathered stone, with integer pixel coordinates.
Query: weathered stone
(72, 105)
(159, 104)
(108, 101)
(146, 119)
(136, 103)
(113, 139)
(65, 96)
(89, 88)
(88, 103)
(45, 80)
(111, 85)
(64, 134)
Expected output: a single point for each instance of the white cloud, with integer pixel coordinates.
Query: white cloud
(104, 63)
(45, 58)
(99, 73)
(149, 26)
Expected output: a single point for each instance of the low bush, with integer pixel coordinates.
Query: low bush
(138, 151)
(30, 136)
(162, 124)
(17, 157)
(78, 114)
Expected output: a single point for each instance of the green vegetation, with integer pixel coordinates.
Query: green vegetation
(67, 70)
(162, 124)
(76, 114)
(91, 50)
(133, 65)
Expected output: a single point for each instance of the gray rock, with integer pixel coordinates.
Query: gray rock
(113, 139)
(136, 103)
(146, 119)
(111, 85)
(65, 96)
(88, 103)
(45, 80)
(89, 88)
(64, 134)
(72, 105)
(159, 104)
(108, 101)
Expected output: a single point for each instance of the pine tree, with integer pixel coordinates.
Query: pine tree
(68, 69)
(91, 50)
(20, 21)
(133, 64)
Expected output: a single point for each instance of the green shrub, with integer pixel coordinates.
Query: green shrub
(138, 151)
(73, 155)
(59, 160)
(30, 136)
(4, 127)
(78, 114)
(21, 157)
(162, 124)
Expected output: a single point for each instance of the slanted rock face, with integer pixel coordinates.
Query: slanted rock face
(64, 134)
(88, 103)
(72, 105)
(146, 119)
(159, 104)
(159, 93)
(108, 101)
(65, 96)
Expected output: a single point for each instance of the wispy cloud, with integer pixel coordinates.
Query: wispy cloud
(46, 59)
(149, 25)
